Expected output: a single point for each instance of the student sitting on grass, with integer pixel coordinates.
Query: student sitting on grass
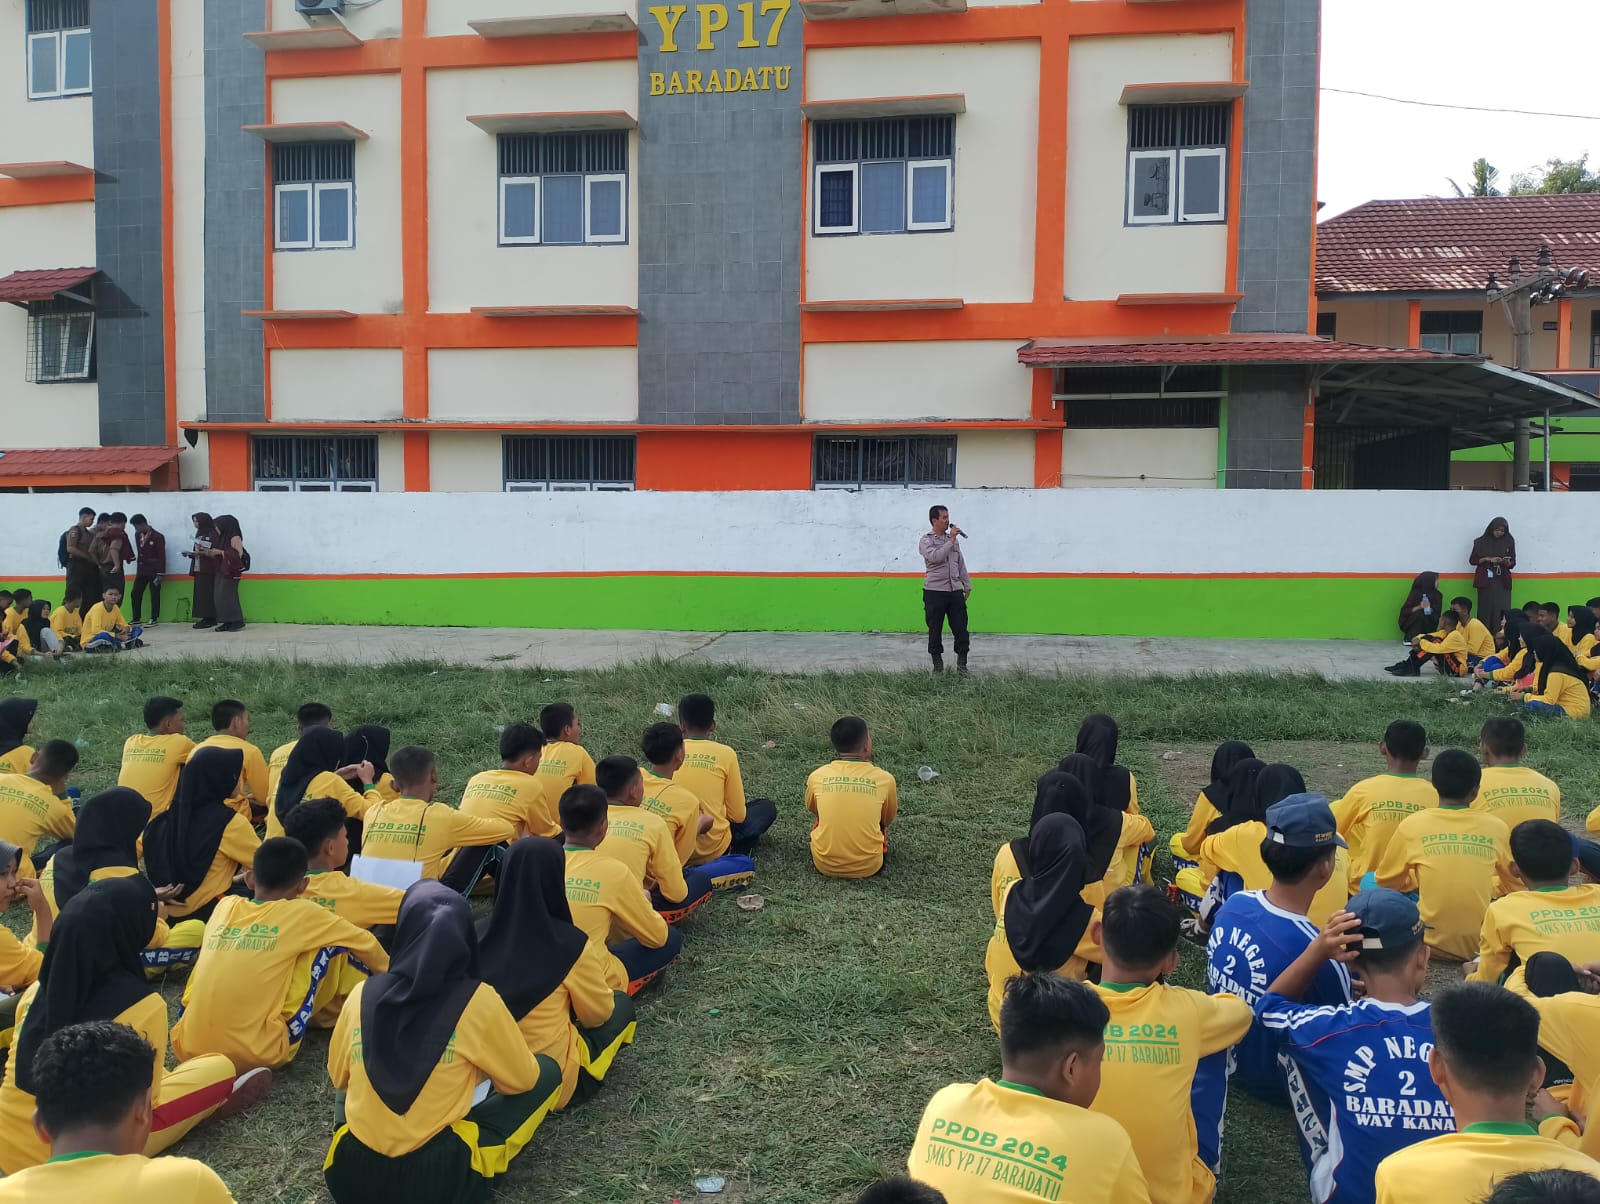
(711, 771)
(1446, 648)
(1486, 1062)
(315, 769)
(230, 725)
(1480, 642)
(19, 961)
(33, 805)
(551, 976)
(66, 621)
(900, 1190)
(1208, 804)
(642, 841)
(1052, 1046)
(1165, 1078)
(1374, 807)
(13, 607)
(1545, 915)
(1569, 1040)
(1135, 833)
(16, 721)
(1510, 790)
(263, 973)
(565, 762)
(319, 825)
(417, 830)
(92, 972)
(151, 762)
(514, 793)
(854, 803)
(370, 742)
(1235, 804)
(663, 750)
(1562, 685)
(34, 635)
(1581, 622)
(310, 715)
(1257, 934)
(607, 901)
(94, 1111)
(106, 630)
(1359, 1072)
(200, 844)
(440, 1089)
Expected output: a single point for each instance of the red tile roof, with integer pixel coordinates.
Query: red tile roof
(42, 284)
(1451, 244)
(85, 462)
(1221, 349)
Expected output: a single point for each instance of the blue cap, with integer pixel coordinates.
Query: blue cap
(1389, 920)
(1303, 821)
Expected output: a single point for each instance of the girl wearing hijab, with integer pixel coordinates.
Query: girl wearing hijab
(1116, 788)
(200, 844)
(1043, 917)
(1209, 804)
(1494, 555)
(92, 972)
(1563, 686)
(1419, 613)
(551, 977)
(16, 721)
(1232, 796)
(204, 567)
(1581, 622)
(1512, 662)
(35, 632)
(309, 773)
(230, 561)
(370, 742)
(413, 1049)
(1060, 793)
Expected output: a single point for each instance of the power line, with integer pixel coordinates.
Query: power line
(1434, 104)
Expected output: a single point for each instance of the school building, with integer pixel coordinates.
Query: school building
(480, 246)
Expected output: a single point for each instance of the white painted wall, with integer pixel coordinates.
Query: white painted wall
(534, 384)
(865, 382)
(391, 463)
(451, 16)
(375, 21)
(1143, 459)
(188, 218)
(347, 384)
(988, 255)
(467, 266)
(465, 462)
(37, 131)
(1105, 257)
(994, 460)
(365, 278)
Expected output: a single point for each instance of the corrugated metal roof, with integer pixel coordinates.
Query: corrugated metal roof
(1287, 349)
(85, 462)
(42, 284)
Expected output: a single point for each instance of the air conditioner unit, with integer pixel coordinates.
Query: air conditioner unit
(319, 6)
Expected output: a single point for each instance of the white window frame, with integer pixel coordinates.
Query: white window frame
(912, 167)
(854, 170)
(348, 187)
(523, 240)
(68, 321)
(1151, 219)
(589, 181)
(279, 243)
(1220, 154)
(61, 65)
(59, 37)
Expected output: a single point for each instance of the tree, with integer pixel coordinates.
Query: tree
(1559, 175)
(1483, 177)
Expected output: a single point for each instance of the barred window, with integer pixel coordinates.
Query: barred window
(883, 462)
(60, 341)
(886, 175)
(316, 463)
(1178, 163)
(568, 463)
(1457, 330)
(59, 60)
(313, 195)
(564, 189)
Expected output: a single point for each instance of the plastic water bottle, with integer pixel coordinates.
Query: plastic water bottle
(1427, 606)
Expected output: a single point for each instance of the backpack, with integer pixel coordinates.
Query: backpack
(61, 551)
(244, 560)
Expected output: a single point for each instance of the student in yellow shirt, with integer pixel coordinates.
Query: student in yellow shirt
(1052, 1046)
(1510, 790)
(106, 630)
(13, 614)
(1136, 834)
(200, 844)
(92, 972)
(16, 721)
(1569, 1040)
(1185, 846)
(1561, 684)
(92, 1084)
(1486, 1062)
(551, 976)
(370, 742)
(564, 762)
(262, 977)
(32, 804)
(607, 901)
(67, 622)
(711, 770)
(663, 749)
(514, 793)
(19, 962)
(642, 841)
(151, 762)
(316, 769)
(1446, 648)
(1456, 859)
(1231, 803)
(412, 1054)
(1545, 916)
(230, 724)
(1480, 642)
(319, 825)
(416, 828)
(1374, 807)
(308, 716)
(854, 802)
(1165, 1076)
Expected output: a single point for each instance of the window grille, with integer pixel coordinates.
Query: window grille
(563, 463)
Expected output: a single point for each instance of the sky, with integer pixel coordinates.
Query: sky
(1505, 54)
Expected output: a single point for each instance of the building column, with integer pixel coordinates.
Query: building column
(1268, 428)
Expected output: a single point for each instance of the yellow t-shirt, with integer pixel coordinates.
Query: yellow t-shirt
(254, 973)
(514, 798)
(325, 785)
(29, 811)
(364, 904)
(1199, 820)
(65, 623)
(711, 771)
(275, 764)
(1457, 860)
(642, 841)
(1479, 642)
(151, 765)
(678, 806)
(19, 963)
(236, 852)
(1000, 964)
(409, 829)
(1001, 1143)
(485, 1045)
(17, 760)
(1564, 691)
(99, 619)
(607, 901)
(564, 765)
(1154, 1042)
(1238, 851)
(1371, 810)
(585, 996)
(854, 802)
(47, 886)
(252, 787)
(11, 620)
(1569, 1027)
(131, 1178)
(1560, 919)
(1513, 793)
(1136, 831)
(1519, 666)
(1465, 1166)
(1452, 646)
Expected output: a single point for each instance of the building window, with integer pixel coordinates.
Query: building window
(1178, 163)
(316, 464)
(889, 175)
(1327, 326)
(1186, 413)
(1594, 339)
(313, 195)
(60, 341)
(568, 463)
(59, 62)
(886, 462)
(1457, 330)
(564, 190)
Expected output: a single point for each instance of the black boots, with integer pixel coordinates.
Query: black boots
(1405, 668)
(961, 663)
(938, 662)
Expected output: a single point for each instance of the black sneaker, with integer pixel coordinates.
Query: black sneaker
(938, 663)
(204, 623)
(961, 664)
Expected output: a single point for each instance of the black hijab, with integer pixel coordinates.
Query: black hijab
(181, 843)
(1424, 585)
(1045, 913)
(1098, 736)
(369, 742)
(15, 715)
(320, 750)
(1223, 762)
(91, 966)
(409, 1012)
(1060, 793)
(1274, 784)
(1583, 623)
(1238, 805)
(1488, 545)
(38, 618)
(107, 834)
(529, 942)
(1554, 657)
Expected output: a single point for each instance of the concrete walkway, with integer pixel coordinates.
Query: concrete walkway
(780, 652)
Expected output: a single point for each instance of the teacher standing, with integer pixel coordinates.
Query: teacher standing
(945, 588)
(1494, 555)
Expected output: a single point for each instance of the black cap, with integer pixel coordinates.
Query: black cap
(1389, 920)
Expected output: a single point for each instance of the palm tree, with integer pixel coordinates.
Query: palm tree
(1483, 177)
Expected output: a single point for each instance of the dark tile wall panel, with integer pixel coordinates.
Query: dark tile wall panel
(1266, 427)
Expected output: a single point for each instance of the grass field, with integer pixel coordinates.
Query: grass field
(792, 1049)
